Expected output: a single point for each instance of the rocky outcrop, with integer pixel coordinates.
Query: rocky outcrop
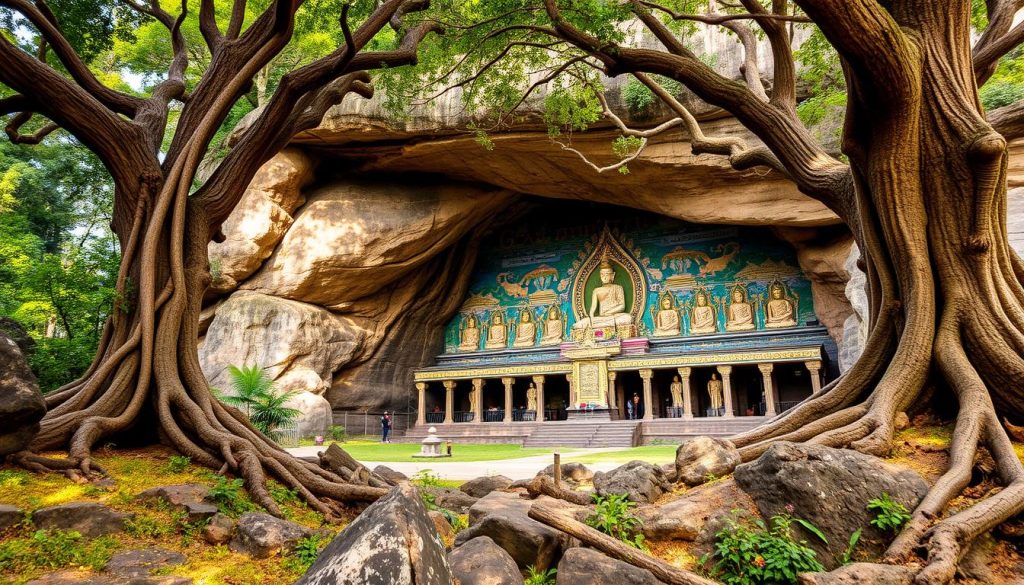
(830, 488)
(261, 535)
(391, 543)
(10, 516)
(858, 573)
(855, 328)
(503, 517)
(482, 486)
(639, 481)
(586, 566)
(704, 458)
(21, 402)
(684, 518)
(481, 562)
(87, 518)
(571, 471)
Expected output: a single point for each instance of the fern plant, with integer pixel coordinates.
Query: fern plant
(613, 516)
(890, 514)
(256, 396)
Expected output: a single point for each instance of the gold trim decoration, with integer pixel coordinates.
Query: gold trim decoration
(492, 372)
(590, 391)
(747, 357)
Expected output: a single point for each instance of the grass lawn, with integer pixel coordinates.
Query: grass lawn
(657, 454)
(396, 452)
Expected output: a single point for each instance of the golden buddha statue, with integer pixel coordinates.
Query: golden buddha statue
(740, 315)
(531, 397)
(676, 388)
(715, 392)
(470, 338)
(779, 311)
(702, 316)
(607, 303)
(497, 335)
(554, 328)
(526, 331)
(666, 320)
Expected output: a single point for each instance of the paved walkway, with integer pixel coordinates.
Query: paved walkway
(519, 468)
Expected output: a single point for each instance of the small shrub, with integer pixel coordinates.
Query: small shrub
(459, 522)
(337, 432)
(613, 516)
(426, 478)
(146, 526)
(305, 553)
(891, 515)
(54, 550)
(747, 552)
(229, 497)
(847, 557)
(178, 463)
(283, 495)
(256, 396)
(537, 577)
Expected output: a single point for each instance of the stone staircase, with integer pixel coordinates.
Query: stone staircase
(583, 434)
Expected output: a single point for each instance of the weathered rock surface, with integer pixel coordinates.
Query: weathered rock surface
(391, 543)
(640, 481)
(390, 475)
(855, 328)
(260, 219)
(702, 458)
(482, 486)
(219, 529)
(482, 562)
(137, 564)
(586, 566)
(75, 577)
(88, 518)
(452, 499)
(21, 402)
(261, 535)
(504, 518)
(442, 526)
(831, 489)
(10, 516)
(190, 497)
(683, 518)
(861, 573)
(572, 471)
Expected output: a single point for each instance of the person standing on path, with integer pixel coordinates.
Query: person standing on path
(385, 428)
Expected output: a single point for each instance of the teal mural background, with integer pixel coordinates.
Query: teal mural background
(532, 264)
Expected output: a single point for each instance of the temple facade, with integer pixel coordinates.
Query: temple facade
(582, 312)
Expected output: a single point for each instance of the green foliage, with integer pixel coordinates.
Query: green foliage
(12, 478)
(283, 495)
(747, 552)
(535, 576)
(229, 497)
(148, 526)
(847, 557)
(889, 514)
(641, 101)
(613, 516)
(426, 478)
(570, 108)
(54, 550)
(178, 463)
(337, 432)
(305, 552)
(255, 395)
(816, 108)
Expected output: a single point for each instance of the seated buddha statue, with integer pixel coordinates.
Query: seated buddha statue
(666, 320)
(497, 335)
(553, 328)
(526, 331)
(779, 312)
(702, 316)
(470, 335)
(740, 315)
(607, 303)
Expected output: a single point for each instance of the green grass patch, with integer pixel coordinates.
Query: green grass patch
(399, 452)
(656, 454)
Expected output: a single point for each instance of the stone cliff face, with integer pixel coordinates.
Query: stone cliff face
(351, 249)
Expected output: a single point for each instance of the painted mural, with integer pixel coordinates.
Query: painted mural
(567, 269)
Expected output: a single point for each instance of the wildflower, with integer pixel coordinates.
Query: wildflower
(790, 508)
(759, 562)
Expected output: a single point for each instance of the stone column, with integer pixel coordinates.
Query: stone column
(572, 391)
(611, 389)
(508, 398)
(726, 372)
(478, 400)
(449, 400)
(646, 376)
(421, 415)
(814, 367)
(684, 376)
(769, 392)
(539, 382)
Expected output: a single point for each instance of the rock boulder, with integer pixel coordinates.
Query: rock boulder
(391, 543)
(640, 481)
(482, 486)
(10, 516)
(572, 471)
(504, 518)
(482, 562)
(586, 566)
(261, 535)
(861, 573)
(829, 488)
(87, 518)
(683, 518)
(21, 402)
(702, 458)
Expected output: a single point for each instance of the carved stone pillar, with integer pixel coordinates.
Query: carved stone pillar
(814, 367)
(646, 376)
(478, 400)
(726, 372)
(611, 390)
(572, 391)
(508, 398)
(449, 401)
(539, 382)
(769, 392)
(421, 414)
(684, 375)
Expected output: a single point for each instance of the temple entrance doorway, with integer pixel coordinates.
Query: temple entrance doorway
(699, 386)
(435, 404)
(661, 391)
(747, 391)
(627, 384)
(461, 403)
(556, 397)
(520, 413)
(792, 384)
(494, 401)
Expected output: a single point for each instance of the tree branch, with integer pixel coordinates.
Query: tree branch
(996, 40)
(208, 25)
(13, 129)
(1008, 120)
(723, 18)
(237, 19)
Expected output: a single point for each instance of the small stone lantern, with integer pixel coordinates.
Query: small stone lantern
(431, 446)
